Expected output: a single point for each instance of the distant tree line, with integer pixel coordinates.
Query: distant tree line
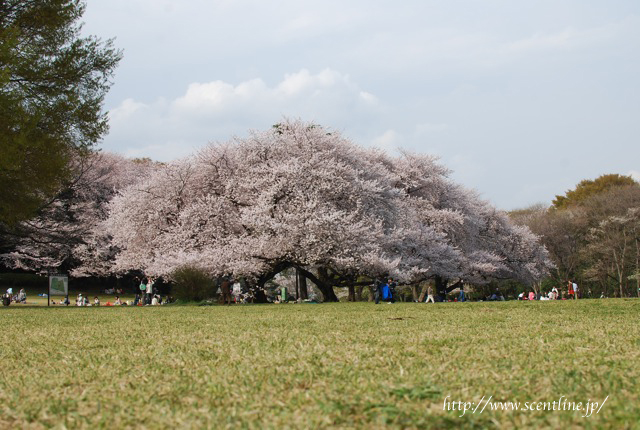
(592, 234)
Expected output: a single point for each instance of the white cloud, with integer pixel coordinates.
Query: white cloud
(218, 110)
(389, 141)
(502, 91)
(126, 109)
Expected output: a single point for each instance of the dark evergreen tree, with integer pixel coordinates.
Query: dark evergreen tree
(52, 86)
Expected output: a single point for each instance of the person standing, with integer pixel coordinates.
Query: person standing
(576, 292)
(461, 296)
(392, 290)
(430, 295)
(143, 289)
(570, 289)
(377, 284)
(236, 291)
(149, 292)
(225, 287)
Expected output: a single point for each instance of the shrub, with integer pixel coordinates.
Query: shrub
(193, 284)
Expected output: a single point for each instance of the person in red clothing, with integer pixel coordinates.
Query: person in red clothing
(571, 292)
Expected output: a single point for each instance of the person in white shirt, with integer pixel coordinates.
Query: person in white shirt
(430, 295)
(236, 292)
(149, 290)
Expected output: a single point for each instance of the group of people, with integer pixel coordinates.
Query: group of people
(84, 301)
(9, 297)
(385, 291)
(573, 293)
(147, 294)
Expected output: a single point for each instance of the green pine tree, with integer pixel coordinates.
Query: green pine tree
(52, 87)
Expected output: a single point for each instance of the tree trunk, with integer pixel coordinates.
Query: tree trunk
(359, 293)
(441, 289)
(328, 295)
(321, 281)
(327, 288)
(423, 292)
(414, 292)
(352, 293)
(258, 290)
(302, 285)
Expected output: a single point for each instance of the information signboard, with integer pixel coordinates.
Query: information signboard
(58, 285)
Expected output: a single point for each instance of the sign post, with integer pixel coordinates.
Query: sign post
(58, 286)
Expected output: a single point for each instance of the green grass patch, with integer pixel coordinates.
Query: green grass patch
(353, 365)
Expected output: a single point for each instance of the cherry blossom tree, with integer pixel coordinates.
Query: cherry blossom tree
(65, 235)
(476, 242)
(299, 195)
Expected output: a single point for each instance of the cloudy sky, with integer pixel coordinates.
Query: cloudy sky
(520, 99)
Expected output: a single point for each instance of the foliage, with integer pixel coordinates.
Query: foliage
(52, 86)
(23, 280)
(299, 195)
(67, 233)
(192, 284)
(595, 239)
(311, 366)
(588, 188)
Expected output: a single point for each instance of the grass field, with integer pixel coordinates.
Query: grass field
(353, 365)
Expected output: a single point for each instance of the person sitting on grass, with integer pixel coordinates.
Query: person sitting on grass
(96, 301)
(117, 302)
(154, 301)
(22, 296)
